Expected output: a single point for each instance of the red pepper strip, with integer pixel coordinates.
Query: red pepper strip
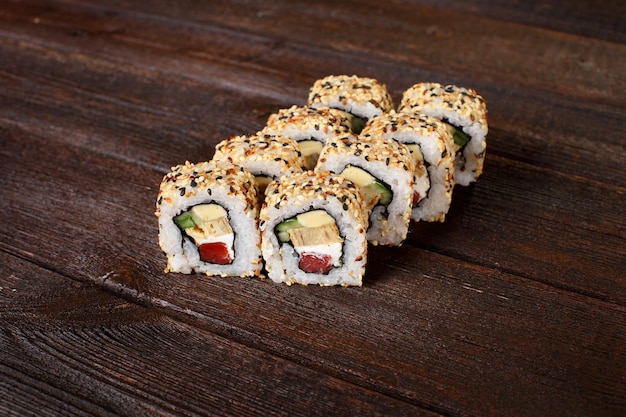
(316, 263)
(416, 198)
(215, 253)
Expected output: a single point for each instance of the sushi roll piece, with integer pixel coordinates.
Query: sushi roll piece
(464, 111)
(309, 127)
(313, 230)
(384, 171)
(361, 97)
(266, 156)
(208, 220)
(432, 147)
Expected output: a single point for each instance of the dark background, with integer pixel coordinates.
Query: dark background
(515, 306)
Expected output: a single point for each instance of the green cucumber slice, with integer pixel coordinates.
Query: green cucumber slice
(184, 220)
(288, 224)
(282, 229)
(460, 138)
(283, 237)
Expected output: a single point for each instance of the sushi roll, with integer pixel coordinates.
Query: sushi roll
(208, 220)
(266, 156)
(361, 97)
(384, 172)
(464, 111)
(431, 145)
(309, 127)
(313, 230)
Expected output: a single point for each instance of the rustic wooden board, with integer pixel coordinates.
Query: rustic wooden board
(110, 360)
(516, 305)
(418, 313)
(518, 107)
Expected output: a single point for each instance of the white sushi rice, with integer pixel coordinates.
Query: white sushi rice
(182, 253)
(305, 124)
(389, 162)
(461, 107)
(436, 147)
(282, 260)
(360, 96)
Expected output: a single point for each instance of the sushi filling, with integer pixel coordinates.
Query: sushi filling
(356, 123)
(261, 182)
(460, 139)
(374, 191)
(315, 238)
(208, 227)
(418, 157)
(310, 149)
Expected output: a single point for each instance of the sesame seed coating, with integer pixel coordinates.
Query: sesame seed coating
(391, 125)
(188, 179)
(361, 96)
(371, 148)
(309, 185)
(470, 107)
(252, 151)
(462, 108)
(322, 123)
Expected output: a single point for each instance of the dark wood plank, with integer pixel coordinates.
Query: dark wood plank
(583, 18)
(208, 32)
(537, 224)
(431, 330)
(119, 358)
(501, 51)
(514, 306)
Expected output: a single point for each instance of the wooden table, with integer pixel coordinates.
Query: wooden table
(515, 306)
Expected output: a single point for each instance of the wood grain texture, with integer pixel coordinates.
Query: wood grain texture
(110, 360)
(515, 306)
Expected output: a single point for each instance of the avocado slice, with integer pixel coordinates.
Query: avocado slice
(373, 190)
(315, 218)
(199, 214)
(357, 124)
(310, 147)
(261, 182)
(376, 193)
(383, 190)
